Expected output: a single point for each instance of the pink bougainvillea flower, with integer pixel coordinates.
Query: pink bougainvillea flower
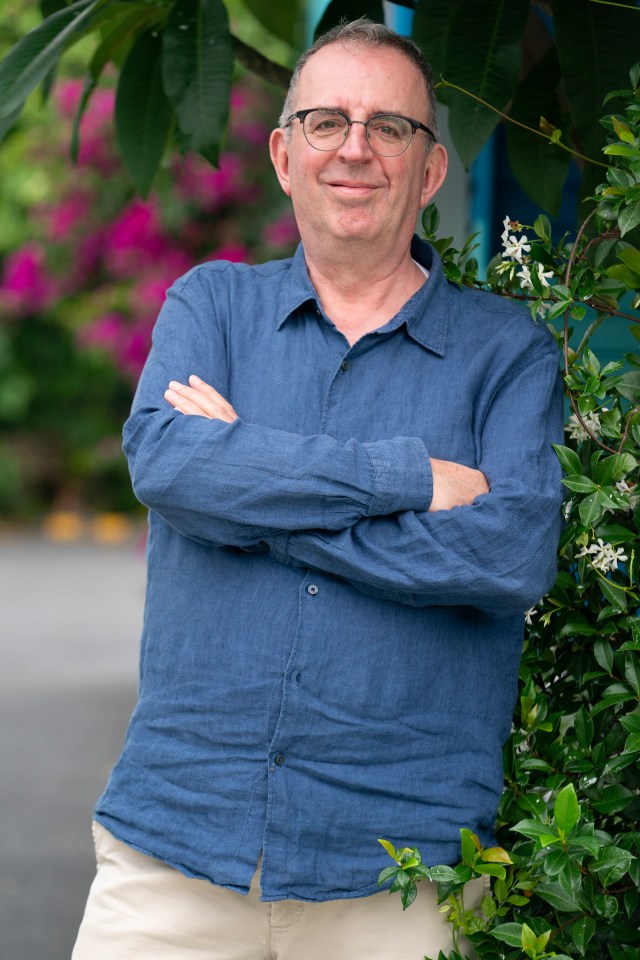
(234, 252)
(105, 332)
(26, 287)
(283, 232)
(134, 348)
(135, 240)
(254, 132)
(64, 217)
(208, 188)
(67, 97)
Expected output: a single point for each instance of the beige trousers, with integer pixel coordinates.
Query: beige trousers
(141, 909)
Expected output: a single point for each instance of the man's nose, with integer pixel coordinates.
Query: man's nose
(356, 146)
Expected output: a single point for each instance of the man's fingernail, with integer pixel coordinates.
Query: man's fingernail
(194, 378)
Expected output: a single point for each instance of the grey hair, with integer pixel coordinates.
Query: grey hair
(366, 33)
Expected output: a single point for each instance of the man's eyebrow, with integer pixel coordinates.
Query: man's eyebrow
(373, 113)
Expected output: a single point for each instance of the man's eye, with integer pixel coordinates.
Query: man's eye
(390, 131)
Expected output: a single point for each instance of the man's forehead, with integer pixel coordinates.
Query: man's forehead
(381, 72)
(353, 54)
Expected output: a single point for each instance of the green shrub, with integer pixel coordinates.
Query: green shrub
(569, 884)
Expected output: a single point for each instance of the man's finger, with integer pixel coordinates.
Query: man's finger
(220, 403)
(200, 399)
(183, 404)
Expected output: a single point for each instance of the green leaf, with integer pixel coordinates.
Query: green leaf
(430, 220)
(284, 20)
(629, 217)
(631, 722)
(509, 933)
(614, 594)
(533, 829)
(408, 894)
(614, 468)
(630, 256)
(583, 725)
(586, 33)
(569, 460)
(603, 654)
(469, 846)
(476, 47)
(37, 53)
(629, 386)
(197, 65)
(632, 672)
(496, 855)
(387, 874)
(536, 97)
(591, 509)
(566, 809)
(578, 628)
(580, 484)
(554, 894)
(581, 933)
(444, 874)
(389, 847)
(612, 799)
(143, 113)
(491, 870)
(612, 865)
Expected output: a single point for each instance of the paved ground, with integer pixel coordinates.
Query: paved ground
(69, 622)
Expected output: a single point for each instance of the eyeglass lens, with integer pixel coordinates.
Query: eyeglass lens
(388, 135)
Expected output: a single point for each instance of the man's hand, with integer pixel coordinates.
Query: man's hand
(455, 485)
(200, 400)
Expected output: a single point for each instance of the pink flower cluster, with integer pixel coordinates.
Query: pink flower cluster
(110, 256)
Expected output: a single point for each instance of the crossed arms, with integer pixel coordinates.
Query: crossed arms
(382, 515)
(454, 485)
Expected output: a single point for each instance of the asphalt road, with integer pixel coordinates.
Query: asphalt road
(70, 617)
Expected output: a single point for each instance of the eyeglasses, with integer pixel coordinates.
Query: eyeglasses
(388, 134)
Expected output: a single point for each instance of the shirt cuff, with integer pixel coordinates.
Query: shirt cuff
(278, 544)
(403, 476)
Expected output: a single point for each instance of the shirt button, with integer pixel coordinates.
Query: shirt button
(312, 589)
(344, 365)
(279, 759)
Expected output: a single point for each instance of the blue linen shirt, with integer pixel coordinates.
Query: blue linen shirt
(323, 661)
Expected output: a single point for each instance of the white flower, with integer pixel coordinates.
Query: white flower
(529, 615)
(604, 556)
(623, 487)
(525, 277)
(515, 249)
(543, 274)
(509, 224)
(575, 429)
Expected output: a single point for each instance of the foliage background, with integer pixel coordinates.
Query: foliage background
(84, 263)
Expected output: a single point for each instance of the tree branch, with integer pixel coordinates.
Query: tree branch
(257, 63)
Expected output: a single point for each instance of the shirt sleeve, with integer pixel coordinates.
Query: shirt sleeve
(234, 484)
(497, 554)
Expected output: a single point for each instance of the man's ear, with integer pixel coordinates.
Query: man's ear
(435, 172)
(279, 152)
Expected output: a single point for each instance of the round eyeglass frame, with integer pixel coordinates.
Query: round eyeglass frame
(301, 115)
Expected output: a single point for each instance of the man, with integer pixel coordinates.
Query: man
(353, 498)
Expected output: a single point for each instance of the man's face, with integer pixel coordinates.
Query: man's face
(353, 192)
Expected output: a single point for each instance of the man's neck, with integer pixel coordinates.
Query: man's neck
(360, 291)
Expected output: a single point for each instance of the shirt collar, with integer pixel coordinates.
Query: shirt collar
(425, 314)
